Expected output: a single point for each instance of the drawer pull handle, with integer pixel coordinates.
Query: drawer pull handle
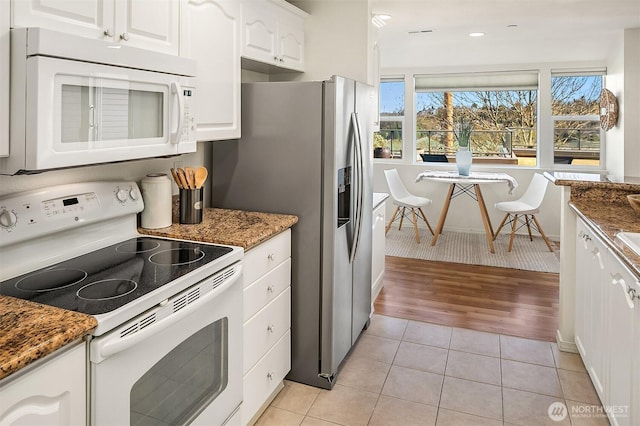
(271, 328)
(270, 376)
(271, 289)
(271, 256)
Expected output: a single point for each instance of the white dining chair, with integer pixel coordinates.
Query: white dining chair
(402, 198)
(524, 210)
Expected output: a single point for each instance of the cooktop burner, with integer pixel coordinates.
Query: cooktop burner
(106, 279)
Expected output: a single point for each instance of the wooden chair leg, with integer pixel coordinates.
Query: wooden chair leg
(415, 224)
(504, 220)
(526, 219)
(425, 219)
(513, 231)
(544, 237)
(392, 219)
(401, 218)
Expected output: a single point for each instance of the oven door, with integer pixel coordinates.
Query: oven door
(178, 363)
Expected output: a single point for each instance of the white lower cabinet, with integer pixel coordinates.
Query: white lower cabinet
(608, 326)
(623, 300)
(267, 323)
(378, 248)
(52, 392)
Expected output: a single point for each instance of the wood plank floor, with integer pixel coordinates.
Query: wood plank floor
(498, 300)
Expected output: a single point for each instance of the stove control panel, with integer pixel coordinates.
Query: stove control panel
(33, 214)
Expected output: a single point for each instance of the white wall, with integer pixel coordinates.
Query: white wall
(631, 102)
(132, 170)
(615, 145)
(337, 39)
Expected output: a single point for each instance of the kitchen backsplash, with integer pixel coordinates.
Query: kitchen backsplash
(130, 170)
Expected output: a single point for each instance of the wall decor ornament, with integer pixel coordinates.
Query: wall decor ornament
(608, 109)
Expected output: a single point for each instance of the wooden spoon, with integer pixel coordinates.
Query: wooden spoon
(176, 178)
(191, 179)
(201, 176)
(183, 178)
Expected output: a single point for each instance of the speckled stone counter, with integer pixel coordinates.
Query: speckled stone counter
(29, 331)
(603, 204)
(231, 227)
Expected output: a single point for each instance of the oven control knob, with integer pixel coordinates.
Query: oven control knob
(134, 194)
(121, 195)
(8, 219)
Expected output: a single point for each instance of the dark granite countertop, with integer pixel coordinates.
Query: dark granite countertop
(231, 227)
(29, 331)
(603, 205)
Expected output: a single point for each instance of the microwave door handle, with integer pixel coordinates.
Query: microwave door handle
(177, 89)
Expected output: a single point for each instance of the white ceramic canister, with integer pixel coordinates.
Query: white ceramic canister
(156, 194)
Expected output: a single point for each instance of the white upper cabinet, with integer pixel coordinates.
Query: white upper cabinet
(146, 24)
(211, 35)
(273, 35)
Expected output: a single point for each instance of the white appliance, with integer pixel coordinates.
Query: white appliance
(306, 149)
(168, 345)
(77, 101)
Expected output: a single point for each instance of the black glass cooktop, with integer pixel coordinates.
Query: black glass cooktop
(106, 279)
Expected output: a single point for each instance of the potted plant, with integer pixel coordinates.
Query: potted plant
(380, 146)
(462, 129)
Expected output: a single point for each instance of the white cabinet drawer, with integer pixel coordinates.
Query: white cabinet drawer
(266, 327)
(263, 379)
(267, 288)
(266, 256)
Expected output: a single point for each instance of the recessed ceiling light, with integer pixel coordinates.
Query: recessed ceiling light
(379, 19)
(476, 34)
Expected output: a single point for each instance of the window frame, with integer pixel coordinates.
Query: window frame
(394, 118)
(587, 117)
(545, 130)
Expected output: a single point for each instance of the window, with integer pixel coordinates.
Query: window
(575, 114)
(502, 108)
(387, 143)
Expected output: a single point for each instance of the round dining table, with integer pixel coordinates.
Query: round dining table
(470, 186)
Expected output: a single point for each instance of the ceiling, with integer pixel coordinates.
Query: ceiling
(516, 30)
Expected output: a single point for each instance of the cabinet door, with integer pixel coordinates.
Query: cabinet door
(290, 53)
(211, 36)
(87, 18)
(583, 299)
(52, 393)
(378, 248)
(623, 303)
(259, 27)
(591, 286)
(598, 284)
(148, 24)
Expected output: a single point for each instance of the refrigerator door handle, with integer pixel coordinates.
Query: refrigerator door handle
(359, 165)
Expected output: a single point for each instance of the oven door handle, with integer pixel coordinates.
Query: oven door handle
(113, 343)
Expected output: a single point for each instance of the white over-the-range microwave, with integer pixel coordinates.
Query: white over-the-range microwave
(77, 101)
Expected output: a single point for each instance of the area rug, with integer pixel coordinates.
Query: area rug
(472, 248)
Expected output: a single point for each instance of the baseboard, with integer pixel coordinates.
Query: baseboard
(564, 345)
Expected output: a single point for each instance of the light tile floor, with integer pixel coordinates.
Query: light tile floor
(411, 373)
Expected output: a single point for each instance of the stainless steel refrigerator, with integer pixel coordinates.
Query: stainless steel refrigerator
(306, 149)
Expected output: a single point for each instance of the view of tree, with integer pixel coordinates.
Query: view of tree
(504, 121)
